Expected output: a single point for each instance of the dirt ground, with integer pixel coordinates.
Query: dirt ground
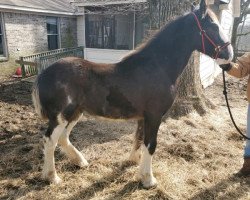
(196, 157)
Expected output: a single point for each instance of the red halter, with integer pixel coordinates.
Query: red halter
(217, 48)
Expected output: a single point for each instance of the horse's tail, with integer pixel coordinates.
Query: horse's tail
(36, 100)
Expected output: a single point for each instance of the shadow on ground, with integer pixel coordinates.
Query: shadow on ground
(17, 92)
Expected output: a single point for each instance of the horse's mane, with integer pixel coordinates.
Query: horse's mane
(153, 38)
(167, 27)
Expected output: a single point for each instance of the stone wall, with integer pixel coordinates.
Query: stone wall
(27, 34)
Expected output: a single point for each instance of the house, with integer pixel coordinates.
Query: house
(108, 29)
(28, 26)
(107, 37)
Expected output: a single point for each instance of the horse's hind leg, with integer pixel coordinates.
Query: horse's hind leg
(136, 151)
(55, 129)
(72, 153)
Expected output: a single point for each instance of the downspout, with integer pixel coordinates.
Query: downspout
(134, 30)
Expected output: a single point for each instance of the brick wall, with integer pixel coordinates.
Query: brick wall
(27, 34)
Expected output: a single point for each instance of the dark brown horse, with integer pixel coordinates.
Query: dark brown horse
(142, 86)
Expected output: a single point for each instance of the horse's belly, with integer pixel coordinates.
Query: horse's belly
(112, 104)
(116, 112)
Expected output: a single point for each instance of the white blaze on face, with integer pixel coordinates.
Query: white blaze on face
(225, 38)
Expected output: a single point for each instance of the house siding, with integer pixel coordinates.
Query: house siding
(27, 34)
(104, 55)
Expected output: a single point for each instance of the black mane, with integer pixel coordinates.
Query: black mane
(173, 41)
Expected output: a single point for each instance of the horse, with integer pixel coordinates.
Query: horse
(142, 86)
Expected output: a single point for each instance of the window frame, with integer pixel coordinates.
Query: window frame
(107, 41)
(95, 40)
(4, 56)
(58, 34)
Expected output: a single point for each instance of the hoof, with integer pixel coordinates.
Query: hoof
(80, 162)
(152, 183)
(83, 163)
(56, 180)
(51, 177)
(148, 181)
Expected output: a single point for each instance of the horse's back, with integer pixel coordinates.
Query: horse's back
(73, 83)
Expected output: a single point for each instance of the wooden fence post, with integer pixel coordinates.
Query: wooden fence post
(22, 67)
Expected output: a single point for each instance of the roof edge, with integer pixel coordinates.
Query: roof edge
(35, 10)
(101, 3)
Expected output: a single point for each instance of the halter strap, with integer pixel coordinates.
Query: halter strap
(203, 33)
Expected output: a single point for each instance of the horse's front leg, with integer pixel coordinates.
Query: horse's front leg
(135, 154)
(151, 126)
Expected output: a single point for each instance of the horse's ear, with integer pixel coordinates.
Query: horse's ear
(203, 8)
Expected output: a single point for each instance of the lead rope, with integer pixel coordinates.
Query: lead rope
(228, 107)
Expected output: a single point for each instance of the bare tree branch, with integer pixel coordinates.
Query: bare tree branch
(243, 34)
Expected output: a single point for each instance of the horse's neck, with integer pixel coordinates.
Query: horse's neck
(173, 50)
(168, 51)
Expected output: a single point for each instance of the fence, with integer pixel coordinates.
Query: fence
(33, 64)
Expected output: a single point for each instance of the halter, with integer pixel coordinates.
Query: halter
(204, 35)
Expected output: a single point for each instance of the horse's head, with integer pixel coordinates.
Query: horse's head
(211, 40)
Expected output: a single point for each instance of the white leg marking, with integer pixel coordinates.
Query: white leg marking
(146, 173)
(49, 171)
(74, 155)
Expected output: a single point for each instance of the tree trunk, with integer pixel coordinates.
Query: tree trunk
(237, 21)
(190, 96)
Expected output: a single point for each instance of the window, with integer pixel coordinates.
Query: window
(118, 31)
(2, 39)
(100, 32)
(52, 33)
